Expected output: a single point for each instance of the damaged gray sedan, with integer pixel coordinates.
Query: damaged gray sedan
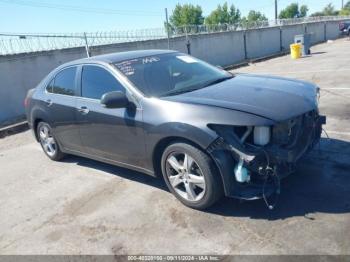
(208, 132)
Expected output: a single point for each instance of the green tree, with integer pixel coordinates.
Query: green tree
(252, 18)
(186, 14)
(329, 10)
(224, 15)
(293, 11)
(344, 12)
(317, 14)
(290, 11)
(303, 11)
(347, 5)
(346, 9)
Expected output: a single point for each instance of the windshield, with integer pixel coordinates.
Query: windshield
(170, 74)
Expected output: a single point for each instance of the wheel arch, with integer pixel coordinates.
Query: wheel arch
(36, 122)
(162, 145)
(165, 142)
(38, 115)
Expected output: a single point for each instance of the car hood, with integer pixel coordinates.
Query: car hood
(274, 98)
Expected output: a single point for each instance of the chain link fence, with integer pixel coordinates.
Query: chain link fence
(26, 43)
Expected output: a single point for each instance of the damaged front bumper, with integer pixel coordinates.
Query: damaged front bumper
(267, 164)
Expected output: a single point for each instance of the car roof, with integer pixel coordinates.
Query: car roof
(121, 56)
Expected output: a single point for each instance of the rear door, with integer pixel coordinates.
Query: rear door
(61, 106)
(113, 134)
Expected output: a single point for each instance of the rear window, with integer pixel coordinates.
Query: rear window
(63, 83)
(49, 87)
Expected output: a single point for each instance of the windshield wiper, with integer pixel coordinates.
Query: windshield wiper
(217, 81)
(206, 84)
(180, 91)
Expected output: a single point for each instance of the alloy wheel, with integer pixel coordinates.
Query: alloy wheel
(185, 176)
(47, 141)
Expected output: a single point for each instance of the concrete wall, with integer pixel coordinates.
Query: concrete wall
(19, 73)
(332, 30)
(317, 31)
(262, 42)
(220, 48)
(288, 33)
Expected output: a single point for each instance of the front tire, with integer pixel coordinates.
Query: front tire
(48, 142)
(191, 175)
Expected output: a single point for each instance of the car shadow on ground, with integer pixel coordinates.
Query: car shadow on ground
(118, 171)
(321, 183)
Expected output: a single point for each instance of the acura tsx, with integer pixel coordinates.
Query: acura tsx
(208, 132)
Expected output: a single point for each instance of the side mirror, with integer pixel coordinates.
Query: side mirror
(115, 99)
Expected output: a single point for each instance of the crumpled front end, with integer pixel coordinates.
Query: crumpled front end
(252, 160)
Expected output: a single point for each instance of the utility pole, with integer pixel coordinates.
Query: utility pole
(167, 26)
(276, 15)
(342, 4)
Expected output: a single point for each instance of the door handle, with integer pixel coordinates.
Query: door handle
(83, 110)
(49, 102)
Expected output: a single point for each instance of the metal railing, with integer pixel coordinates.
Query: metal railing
(26, 43)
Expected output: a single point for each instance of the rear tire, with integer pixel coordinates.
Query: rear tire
(48, 142)
(191, 176)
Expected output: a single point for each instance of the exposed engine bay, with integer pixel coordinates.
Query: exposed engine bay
(262, 155)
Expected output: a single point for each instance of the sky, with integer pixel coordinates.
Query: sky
(65, 16)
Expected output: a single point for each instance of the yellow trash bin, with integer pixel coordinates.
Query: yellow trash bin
(295, 51)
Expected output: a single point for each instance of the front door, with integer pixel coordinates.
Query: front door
(113, 134)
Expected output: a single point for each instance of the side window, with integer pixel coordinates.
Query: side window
(97, 81)
(49, 87)
(64, 82)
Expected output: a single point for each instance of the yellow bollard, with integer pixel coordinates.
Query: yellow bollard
(295, 51)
